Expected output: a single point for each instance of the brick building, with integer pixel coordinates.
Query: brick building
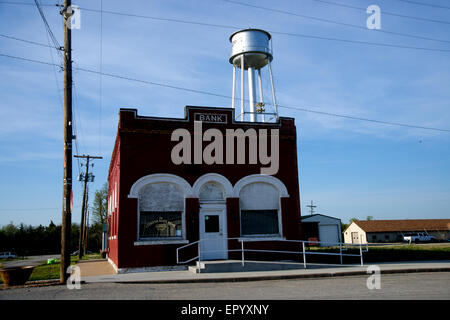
(157, 204)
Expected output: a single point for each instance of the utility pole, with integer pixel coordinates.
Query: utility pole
(86, 232)
(311, 208)
(66, 224)
(85, 178)
(86, 221)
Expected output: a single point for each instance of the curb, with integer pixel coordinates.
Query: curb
(285, 277)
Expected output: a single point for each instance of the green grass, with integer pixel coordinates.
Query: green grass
(92, 256)
(49, 271)
(388, 253)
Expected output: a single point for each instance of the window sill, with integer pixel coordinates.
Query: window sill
(261, 238)
(156, 242)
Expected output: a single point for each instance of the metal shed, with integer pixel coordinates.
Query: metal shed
(329, 228)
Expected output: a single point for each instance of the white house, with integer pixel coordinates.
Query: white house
(365, 231)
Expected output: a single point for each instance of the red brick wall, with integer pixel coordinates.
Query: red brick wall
(143, 147)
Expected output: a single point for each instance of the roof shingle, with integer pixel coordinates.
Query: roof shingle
(404, 225)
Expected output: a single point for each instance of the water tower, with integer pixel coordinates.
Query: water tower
(251, 52)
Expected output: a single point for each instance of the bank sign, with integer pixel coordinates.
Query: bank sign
(210, 117)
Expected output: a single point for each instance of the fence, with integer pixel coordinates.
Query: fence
(342, 248)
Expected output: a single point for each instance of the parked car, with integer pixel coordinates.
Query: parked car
(418, 237)
(7, 255)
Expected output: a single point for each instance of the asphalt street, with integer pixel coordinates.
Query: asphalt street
(404, 286)
(30, 260)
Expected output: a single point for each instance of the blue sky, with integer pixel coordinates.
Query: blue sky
(349, 168)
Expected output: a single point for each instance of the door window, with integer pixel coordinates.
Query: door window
(212, 223)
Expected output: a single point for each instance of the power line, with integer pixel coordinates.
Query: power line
(379, 44)
(29, 41)
(425, 4)
(101, 79)
(49, 30)
(384, 12)
(31, 209)
(26, 59)
(229, 97)
(271, 31)
(17, 3)
(335, 22)
(28, 4)
(364, 119)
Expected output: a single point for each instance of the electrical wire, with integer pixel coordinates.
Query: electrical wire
(380, 44)
(335, 22)
(384, 12)
(31, 209)
(425, 4)
(49, 30)
(349, 41)
(101, 80)
(229, 97)
(29, 41)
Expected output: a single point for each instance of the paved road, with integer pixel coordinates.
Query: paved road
(433, 285)
(30, 260)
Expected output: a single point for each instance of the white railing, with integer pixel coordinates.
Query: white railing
(342, 247)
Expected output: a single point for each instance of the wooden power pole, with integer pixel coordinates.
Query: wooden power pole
(84, 203)
(311, 208)
(66, 224)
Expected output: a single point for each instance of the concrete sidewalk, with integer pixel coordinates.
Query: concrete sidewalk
(90, 268)
(312, 271)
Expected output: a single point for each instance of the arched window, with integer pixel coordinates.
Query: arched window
(211, 191)
(161, 207)
(260, 210)
(161, 198)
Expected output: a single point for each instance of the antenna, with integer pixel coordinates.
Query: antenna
(251, 52)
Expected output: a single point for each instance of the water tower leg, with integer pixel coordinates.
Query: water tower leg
(251, 92)
(234, 88)
(275, 109)
(261, 99)
(242, 87)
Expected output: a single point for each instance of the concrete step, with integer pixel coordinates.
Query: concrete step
(217, 266)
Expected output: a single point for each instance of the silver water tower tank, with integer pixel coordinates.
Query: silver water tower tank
(251, 51)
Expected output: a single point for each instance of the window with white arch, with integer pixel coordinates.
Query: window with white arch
(260, 210)
(211, 192)
(161, 211)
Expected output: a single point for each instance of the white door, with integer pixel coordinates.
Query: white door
(328, 234)
(213, 231)
(355, 238)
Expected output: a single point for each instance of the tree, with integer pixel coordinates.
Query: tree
(369, 218)
(353, 219)
(100, 205)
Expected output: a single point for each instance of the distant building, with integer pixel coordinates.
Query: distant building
(367, 231)
(324, 228)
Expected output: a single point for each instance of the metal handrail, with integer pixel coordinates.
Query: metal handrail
(303, 251)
